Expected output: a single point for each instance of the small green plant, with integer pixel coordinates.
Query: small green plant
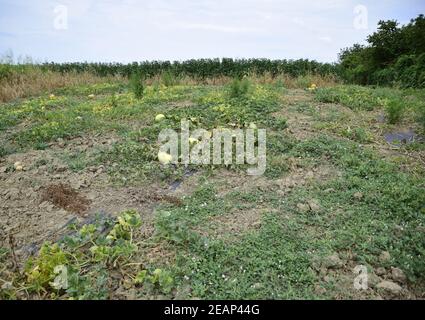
(175, 232)
(277, 123)
(239, 88)
(357, 134)
(113, 101)
(420, 115)
(127, 222)
(394, 109)
(41, 271)
(160, 280)
(6, 150)
(303, 81)
(168, 79)
(353, 97)
(136, 84)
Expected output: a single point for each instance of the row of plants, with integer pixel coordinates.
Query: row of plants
(200, 68)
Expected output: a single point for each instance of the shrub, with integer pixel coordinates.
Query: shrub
(303, 81)
(5, 71)
(239, 88)
(420, 111)
(168, 79)
(394, 109)
(136, 84)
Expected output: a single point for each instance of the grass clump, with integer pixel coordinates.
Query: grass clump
(353, 97)
(136, 85)
(420, 115)
(239, 88)
(168, 79)
(394, 110)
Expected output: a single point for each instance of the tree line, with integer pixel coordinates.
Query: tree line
(393, 55)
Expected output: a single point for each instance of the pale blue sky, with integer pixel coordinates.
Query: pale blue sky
(130, 30)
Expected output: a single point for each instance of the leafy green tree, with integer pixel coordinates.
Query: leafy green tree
(394, 55)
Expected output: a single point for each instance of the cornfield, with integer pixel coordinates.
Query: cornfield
(201, 68)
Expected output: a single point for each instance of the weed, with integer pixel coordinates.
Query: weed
(394, 110)
(168, 79)
(354, 97)
(239, 88)
(157, 280)
(357, 134)
(136, 85)
(420, 115)
(6, 149)
(40, 272)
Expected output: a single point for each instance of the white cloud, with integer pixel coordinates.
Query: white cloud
(325, 39)
(219, 28)
(126, 30)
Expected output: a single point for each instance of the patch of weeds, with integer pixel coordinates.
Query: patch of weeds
(130, 162)
(168, 79)
(306, 108)
(279, 84)
(40, 162)
(303, 81)
(85, 265)
(276, 167)
(76, 161)
(57, 125)
(390, 200)
(256, 266)
(6, 149)
(239, 88)
(420, 115)
(224, 110)
(278, 123)
(173, 230)
(156, 93)
(357, 134)
(158, 280)
(278, 147)
(394, 110)
(415, 146)
(8, 278)
(177, 229)
(41, 271)
(136, 85)
(269, 263)
(103, 88)
(353, 97)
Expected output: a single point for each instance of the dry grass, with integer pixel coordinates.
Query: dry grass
(287, 81)
(34, 81)
(303, 82)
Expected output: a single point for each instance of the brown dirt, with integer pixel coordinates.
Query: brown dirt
(63, 196)
(31, 220)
